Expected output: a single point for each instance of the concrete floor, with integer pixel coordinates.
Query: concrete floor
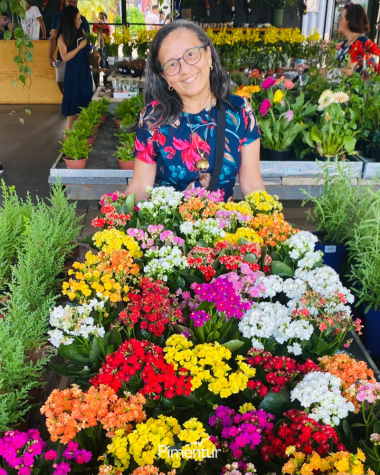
(28, 151)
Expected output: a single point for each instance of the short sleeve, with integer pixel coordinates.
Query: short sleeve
(54, 22)
(85, 26)
(145, 148)
(248, 128)
(36, 12)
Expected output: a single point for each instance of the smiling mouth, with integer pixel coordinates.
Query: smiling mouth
(192, 79)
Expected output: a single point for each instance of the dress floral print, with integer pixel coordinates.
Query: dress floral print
(176, 149)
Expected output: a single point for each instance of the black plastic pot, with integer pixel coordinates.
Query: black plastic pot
(137, 73)
(124, 70)
(376, 154)
(279, 155)
(364, 148)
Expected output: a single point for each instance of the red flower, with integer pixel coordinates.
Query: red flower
(190, 155)
(159, 137)
(356, 52)
(145, 152)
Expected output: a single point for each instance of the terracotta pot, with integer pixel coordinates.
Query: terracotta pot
(270, 72)
(75, 164)
(103, 118)
(126, 165)
(96, 128)
(117, 122)
(280, 71)
(91, 140)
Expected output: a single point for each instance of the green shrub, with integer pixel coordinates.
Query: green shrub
(132, 106)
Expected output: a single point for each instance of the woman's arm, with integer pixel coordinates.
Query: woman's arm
(249, 173)
(43, 29)
(144, 175)
(63, 49)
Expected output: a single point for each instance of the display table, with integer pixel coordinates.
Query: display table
(44, 89)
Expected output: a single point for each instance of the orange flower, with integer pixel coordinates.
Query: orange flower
(272, 228)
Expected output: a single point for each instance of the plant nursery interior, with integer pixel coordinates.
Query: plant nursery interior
(189, 237)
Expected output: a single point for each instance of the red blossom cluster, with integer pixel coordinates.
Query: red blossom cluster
(143, 366)
(275, 372)
(234, 255)
(202, 258)
(152, 307)
(306, 434)
(110, 218)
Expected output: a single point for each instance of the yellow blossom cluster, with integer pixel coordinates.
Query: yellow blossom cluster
(339, 463)
(262, 202)
(242, 206)
(207, 363)
(242, 233)
(112, 239)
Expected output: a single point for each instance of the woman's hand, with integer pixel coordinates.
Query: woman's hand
(82, 44)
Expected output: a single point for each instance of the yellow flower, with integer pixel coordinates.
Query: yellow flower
(278, 96)
(343, 465)
(247, 407)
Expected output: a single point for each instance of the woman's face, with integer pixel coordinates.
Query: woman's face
(343, 23)
(78, 21)
(192, 79)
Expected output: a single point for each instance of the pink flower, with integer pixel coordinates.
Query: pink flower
(265, 107)
(289, 115)
(288, 84)
(24, 471)
(51, 455)
(269, 82)
(3, 471)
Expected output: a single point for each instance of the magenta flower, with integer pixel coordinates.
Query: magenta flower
(269, 82)
(24, 471)
(265, 107)
(50, 455)
(3, 471)
(289, 115)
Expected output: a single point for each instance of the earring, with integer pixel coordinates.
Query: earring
(170, 88)
(211, 67)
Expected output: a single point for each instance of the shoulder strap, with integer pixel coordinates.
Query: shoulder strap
(220, 145)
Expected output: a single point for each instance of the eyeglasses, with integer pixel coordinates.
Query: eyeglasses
(191, 56)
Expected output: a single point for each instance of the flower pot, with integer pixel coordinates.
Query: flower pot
(124, 70)
(117, 122)
(91, 140)
(111, 60)
(362, 147)
(333, 254)
(372, 331)
(97, 127)
(137, 73)
(75, 164)
(126, 165)
(103, 118)
(279, 155)
(279, 71)
(277, 17)
(376, 154)
(270, 72)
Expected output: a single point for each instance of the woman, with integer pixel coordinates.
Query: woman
(78, 81)
(33, 22)
(5, 25)
(176, 135)
(353, 24)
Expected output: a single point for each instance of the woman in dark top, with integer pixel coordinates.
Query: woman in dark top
(353, 24)
(78, 79)
(177, 133)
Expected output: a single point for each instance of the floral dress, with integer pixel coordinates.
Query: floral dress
(174, 148)
(344, 50)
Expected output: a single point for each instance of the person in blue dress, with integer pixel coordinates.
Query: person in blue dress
(175, 141)
(78, 80)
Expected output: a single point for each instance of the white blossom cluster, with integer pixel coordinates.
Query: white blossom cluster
(164, 261)
(273, 320)
(301, 247)
(163, 204)
(70, 321)
(320, 394)
(208, 230)
(273, 284)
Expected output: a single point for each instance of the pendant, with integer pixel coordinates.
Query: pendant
(202, 165)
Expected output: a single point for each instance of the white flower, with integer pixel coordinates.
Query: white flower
(295, 349)
(325, 99)
(341, 97)
(272, 283)
(207, 230)
(320, 394)
(301, 249)
(163, 204)
(164, 261)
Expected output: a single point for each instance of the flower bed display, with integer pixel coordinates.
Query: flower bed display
(202, 337)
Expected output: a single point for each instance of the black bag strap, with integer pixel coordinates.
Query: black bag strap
(220, 145)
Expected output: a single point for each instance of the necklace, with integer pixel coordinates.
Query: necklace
(203, 164)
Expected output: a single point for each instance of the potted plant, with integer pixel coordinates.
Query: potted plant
(123, 67)
(137, 67)
(364, 256)
(111, 50)
(91, 114)
(376, 146)
(281, 123)
(278, 10)
(83, 130)
(75, 152)
(335, 132)
(132, 106)
(93, 60)
(101, 106)
(335, 211)
(128, 43)
(124, 152)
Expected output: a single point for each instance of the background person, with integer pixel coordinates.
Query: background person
(353, 24)
(77, 80)
(177, 132)
(5, 25)
(60, 65)
(33, 22)
(153, 18)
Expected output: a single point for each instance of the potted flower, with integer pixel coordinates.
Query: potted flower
(92, 40)
(281, 123)
(123, 66)
(335, 211)
(137, 66)
(335, 132)
(111, 50)
(124, 152)
(75, 152)
(128, 43)
(363, 250)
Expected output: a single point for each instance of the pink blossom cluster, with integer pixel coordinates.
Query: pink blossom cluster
(369, 393)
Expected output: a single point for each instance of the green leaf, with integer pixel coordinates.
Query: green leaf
(347, 430)
(21, 120)
(275, 403)
(29, 56)
(233, 345)
(66, 371)
(7, 35)
(171, 403)
(22, 78)
(349, 144)
(28, 71)
(28, 111)
(251, 258)
(18, 59)
(19, 32)
(3, 6)
(76, 353)
(281, 269)
(96, 350)
(181, 329)
(14, 83)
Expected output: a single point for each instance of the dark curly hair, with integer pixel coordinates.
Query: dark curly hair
(156, 88)
(357, 18)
